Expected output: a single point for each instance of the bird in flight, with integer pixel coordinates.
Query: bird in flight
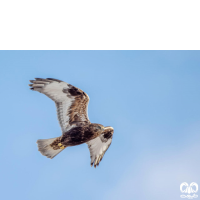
(72, 112)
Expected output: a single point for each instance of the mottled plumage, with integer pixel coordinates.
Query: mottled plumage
(72, 106)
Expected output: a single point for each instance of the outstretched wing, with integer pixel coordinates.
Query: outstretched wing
(99, 146)
(71, 102)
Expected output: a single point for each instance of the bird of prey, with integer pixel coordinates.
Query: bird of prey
(72, 106)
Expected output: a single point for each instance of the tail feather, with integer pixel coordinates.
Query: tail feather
(47, 150)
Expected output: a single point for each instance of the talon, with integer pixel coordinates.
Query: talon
(62, 147)
(59, 144)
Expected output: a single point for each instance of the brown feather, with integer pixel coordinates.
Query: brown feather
(78, 108)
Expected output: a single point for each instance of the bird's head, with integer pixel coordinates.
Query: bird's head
(107, 133)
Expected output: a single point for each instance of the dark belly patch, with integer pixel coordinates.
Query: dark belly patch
(77, 135)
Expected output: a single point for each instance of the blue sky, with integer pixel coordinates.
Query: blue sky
(151, 98)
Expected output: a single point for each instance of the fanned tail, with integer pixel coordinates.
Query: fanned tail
(46, 148)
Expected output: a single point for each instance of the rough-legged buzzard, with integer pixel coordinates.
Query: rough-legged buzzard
(72, 104)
